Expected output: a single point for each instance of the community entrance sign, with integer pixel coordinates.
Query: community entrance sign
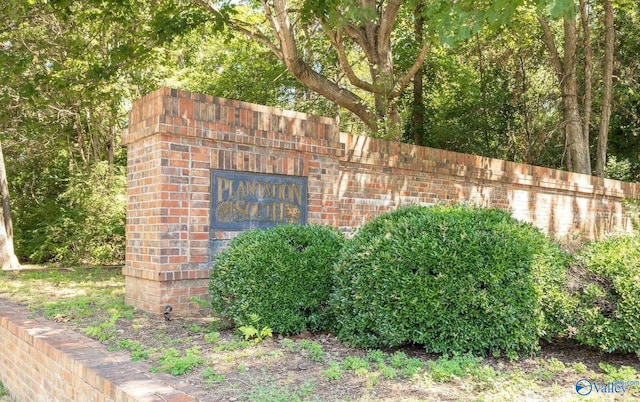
(202, 169)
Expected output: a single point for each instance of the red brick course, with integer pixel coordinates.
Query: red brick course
(41, 360)
(175, 138)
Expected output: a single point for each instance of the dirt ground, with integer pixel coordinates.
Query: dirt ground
(274, 370)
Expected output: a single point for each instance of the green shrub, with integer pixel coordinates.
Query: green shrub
(281, 275)
(608, 316)
(453, 279)
(83, 224)
(618, 169)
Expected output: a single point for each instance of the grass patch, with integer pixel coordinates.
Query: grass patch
(138, 351)
(458, 367)
(175, 363)
(357, 364)
(3, 390)
(622, 373)
(316, 353)
(211, 376)
(274, 393)
(333, 373)
(67, 294)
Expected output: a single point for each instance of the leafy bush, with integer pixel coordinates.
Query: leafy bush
(608, 316)
(618, 169)
(84, 223)
(453, 279)
(281, 275)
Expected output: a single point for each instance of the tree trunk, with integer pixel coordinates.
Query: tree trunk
(8, 258)
(587, 68)
(607, 88)
(417, 114)
(577, 140)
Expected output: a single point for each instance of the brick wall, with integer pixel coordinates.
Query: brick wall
(175, 138)
(378, 175)
(41, 361)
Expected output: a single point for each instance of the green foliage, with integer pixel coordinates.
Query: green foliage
(104, 331)
(289, 344)
(211, 376)
(203, 303)
(233, 344)
(453, 279)
(464, 103)
(204, 61)
(316, 353)
(84, 224)
(68, 294)
(608, 314)
(138, 352)
(618, 169)
(3, 390)
(376, 356)
(334, 372)
(632, 209)
(461, 20)
(554, 365)
(387, 372)
(357, 364)
(445, 369)
(624, 133)
(579, 367)
(624, 373)
(495, 109)
(282, 275)
(313, 349)
(174, 363)
(212, 337)
(408, 366)
(274, 393)
(68, 72)
(254, 335)
(194, 328)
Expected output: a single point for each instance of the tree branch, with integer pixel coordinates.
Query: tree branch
(336, 41)
(307, 76)
(387, 21)
(240, 27)
(404, 81)
(548, 40)
(257, 36)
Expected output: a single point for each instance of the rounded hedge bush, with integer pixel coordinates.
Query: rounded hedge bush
(454, 279)
(608, 316)
(281, 275)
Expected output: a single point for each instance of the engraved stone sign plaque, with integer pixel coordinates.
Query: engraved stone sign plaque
(242, 200)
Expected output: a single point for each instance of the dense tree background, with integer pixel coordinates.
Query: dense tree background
(70, 69)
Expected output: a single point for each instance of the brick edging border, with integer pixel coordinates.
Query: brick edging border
(42, 360)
